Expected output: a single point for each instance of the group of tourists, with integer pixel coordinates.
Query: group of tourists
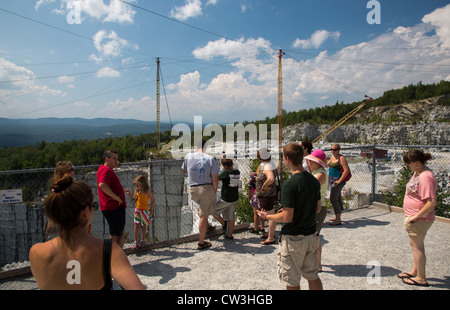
(70, 206)
(303, 209)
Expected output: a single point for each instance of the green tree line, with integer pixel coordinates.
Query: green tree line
(79, 152)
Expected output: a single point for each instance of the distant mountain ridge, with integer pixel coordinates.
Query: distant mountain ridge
(21, 132)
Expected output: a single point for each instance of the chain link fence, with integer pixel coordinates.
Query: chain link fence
(375, 172)
(24, 223)
(379, 174)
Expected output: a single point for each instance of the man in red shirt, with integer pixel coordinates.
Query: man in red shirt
(112, 196)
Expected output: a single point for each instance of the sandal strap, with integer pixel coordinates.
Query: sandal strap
(204, 245)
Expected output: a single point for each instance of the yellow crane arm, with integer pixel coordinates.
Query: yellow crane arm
(166, 148)
(341, 121)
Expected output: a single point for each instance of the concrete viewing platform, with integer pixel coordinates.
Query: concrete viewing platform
(365, 253)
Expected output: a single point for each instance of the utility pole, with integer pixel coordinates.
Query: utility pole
(280, 98)
(158, 129)
(280, 108)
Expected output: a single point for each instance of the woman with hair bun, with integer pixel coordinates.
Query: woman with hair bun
(75, 260)
(62, 169)
(419, 207)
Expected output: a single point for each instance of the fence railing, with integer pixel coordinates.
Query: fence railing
(376, 169)
(383, 164)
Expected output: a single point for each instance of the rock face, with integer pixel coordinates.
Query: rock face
(423, 122)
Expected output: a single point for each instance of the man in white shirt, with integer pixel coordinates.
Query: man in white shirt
(203, 181)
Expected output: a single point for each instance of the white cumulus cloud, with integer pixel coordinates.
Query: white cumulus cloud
(316, 39)
(107, 72)
(191, 8)
(114, 11)
(232, 48)
(18, 80)
(440, 18)
(109, 44)
(399, 57)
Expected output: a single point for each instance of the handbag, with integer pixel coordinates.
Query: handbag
(255, 202)
(349, 175)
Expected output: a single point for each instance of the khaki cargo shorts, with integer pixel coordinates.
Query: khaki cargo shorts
(226, 209)
(205, 197)
(417, 228)
(297, 257)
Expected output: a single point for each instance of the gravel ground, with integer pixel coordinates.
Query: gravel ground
(368, 237)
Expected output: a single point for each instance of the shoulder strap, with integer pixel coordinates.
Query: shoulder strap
(339, 160)
(277, 176)
(107, 248)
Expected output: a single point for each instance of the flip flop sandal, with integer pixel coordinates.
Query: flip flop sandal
(253, 231)
(404, 275)
(413, 282)
(204, 245)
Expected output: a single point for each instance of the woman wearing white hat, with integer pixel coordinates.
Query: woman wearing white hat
(317, 165)
(266, 190)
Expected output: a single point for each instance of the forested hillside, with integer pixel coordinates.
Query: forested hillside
(333, 113)
(79, 152)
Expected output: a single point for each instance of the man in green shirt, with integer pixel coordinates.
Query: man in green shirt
(229, 198)
(300, 201)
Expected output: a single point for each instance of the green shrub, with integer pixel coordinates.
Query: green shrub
(396, 195)
(244, 210)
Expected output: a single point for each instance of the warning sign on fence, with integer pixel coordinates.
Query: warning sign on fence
(10, 195)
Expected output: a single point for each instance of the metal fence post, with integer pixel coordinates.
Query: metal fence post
(152, 188)
(374, 174)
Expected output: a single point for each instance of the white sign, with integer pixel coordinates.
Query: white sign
(10, 195)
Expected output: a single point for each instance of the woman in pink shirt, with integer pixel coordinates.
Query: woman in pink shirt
(419, 207)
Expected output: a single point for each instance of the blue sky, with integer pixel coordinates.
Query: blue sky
(218, 57)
